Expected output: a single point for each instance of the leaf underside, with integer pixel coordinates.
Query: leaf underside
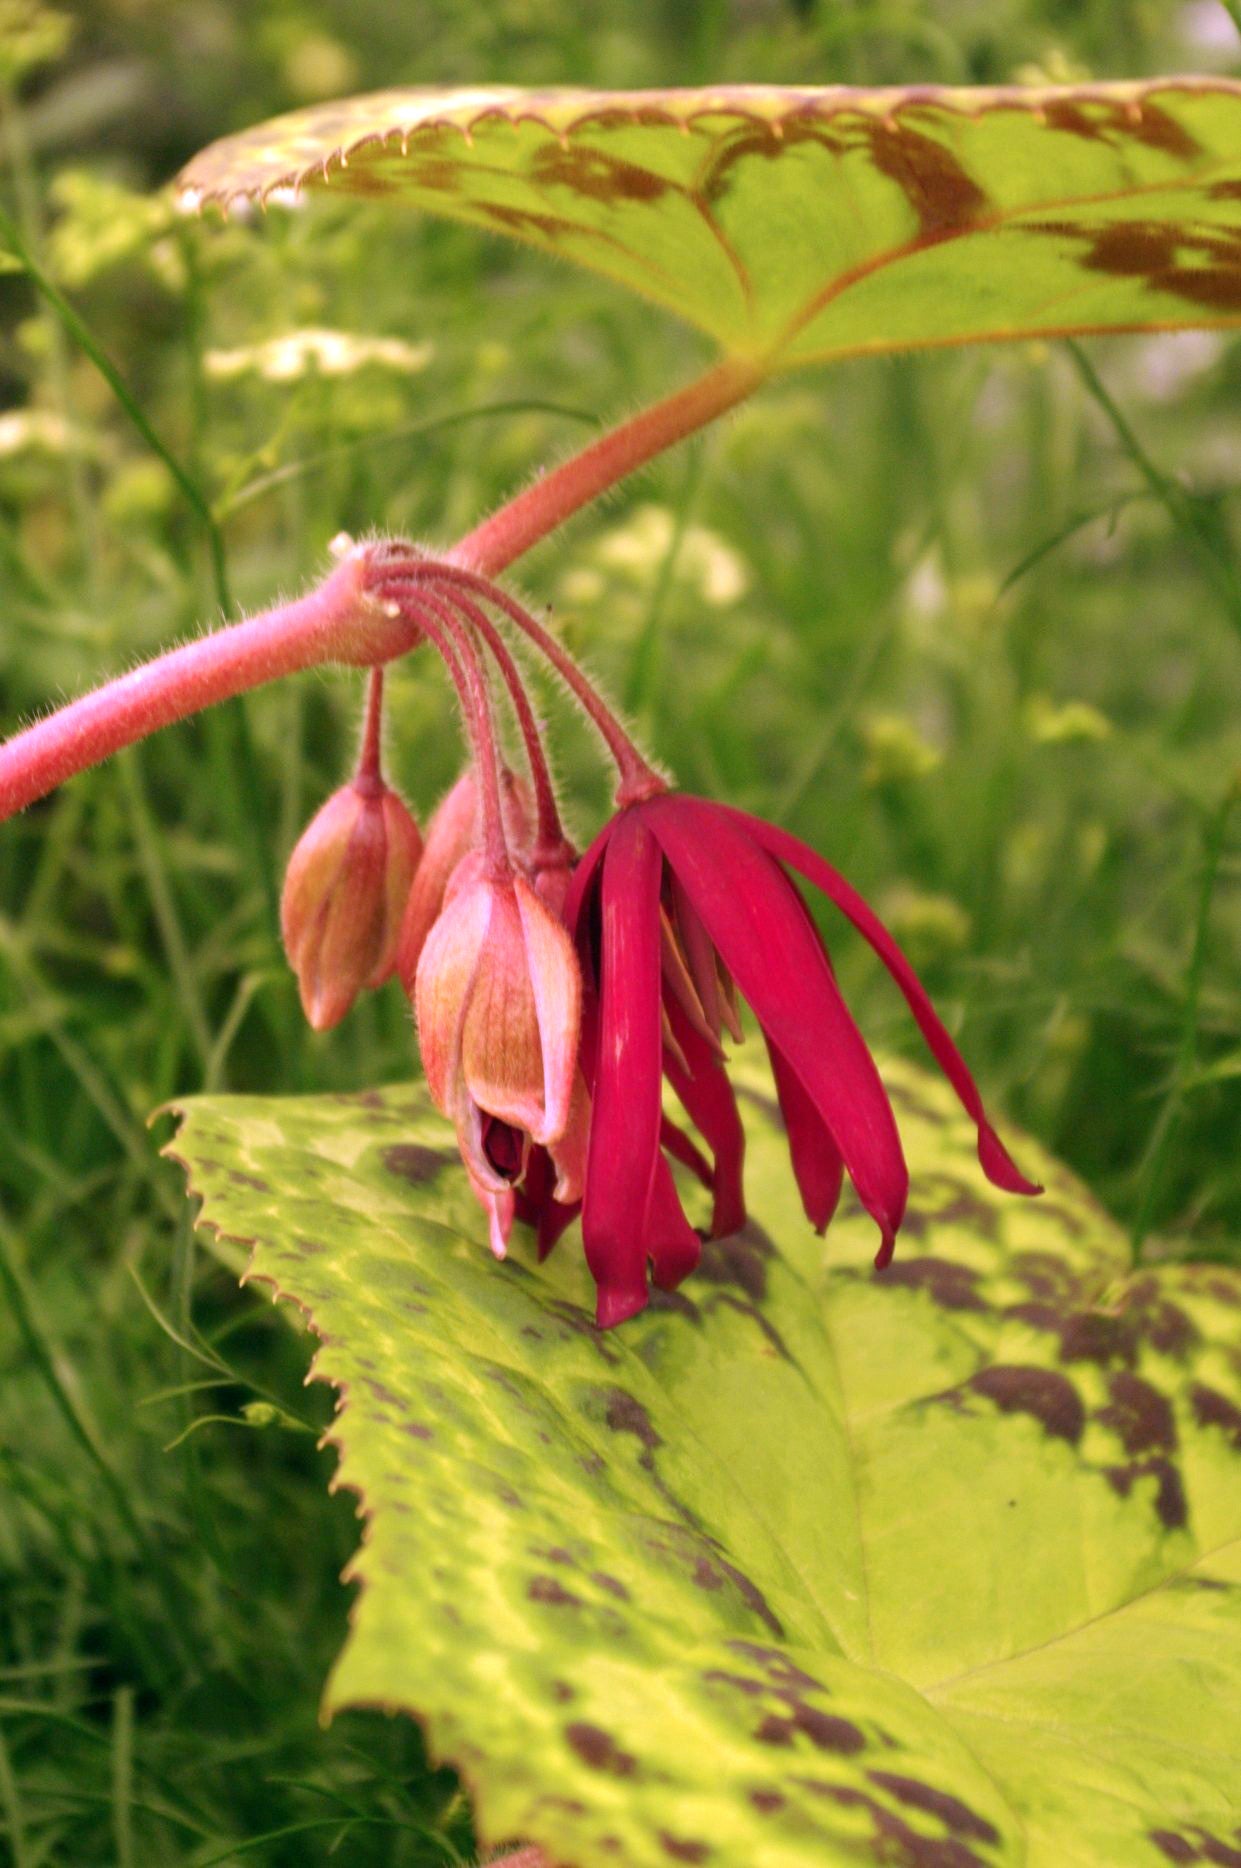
(805, 1565)
(794, 226)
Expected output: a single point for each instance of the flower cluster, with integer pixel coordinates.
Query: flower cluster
(556, 997)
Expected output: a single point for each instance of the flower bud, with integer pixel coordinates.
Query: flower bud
(345, 890)
(451, 834)
(498, 999)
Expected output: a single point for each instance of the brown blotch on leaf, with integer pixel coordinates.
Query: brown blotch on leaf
(524, 221)
(624, 1413)
(947, 1809)
(1199, 1845)
(943, 196)
(739, 1260)
(767, 1801)
(1158, 129)
(613, 1584)
(675, 1303)
(1212, 1409)
(1176, 1848)
(1096, 1336)
(598, 177)
(825, 1730)
(438, 175)
(706, 1575)
(895, 1839)
(599, 1750)
(1203, 268)
(1167, 1329)
(415, 1164)
(1049, 1398)
(1170, 1500)
(760, 141)
(951, 1286)
(1139, 1414)
(683, 1851)
(553, 1592)
(780, 1670)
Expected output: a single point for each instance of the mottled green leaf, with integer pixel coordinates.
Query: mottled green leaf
(800, 224)
(805, 1565)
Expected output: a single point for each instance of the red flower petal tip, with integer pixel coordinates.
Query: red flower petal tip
(999, 1167)
(616, 1303)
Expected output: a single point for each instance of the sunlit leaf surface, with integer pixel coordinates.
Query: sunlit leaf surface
(796, 225)
(805, 1565)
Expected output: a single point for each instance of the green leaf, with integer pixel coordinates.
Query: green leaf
(799, 225)
(805, 1565)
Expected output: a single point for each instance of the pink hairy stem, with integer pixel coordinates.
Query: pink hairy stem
(637, 778)
(369, 775)
(557, 495)
(450, 635)
(338, 623)
(550, 833)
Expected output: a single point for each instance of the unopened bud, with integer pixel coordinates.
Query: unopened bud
(345, 890)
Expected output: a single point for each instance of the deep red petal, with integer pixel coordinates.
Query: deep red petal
(625, 1118)
(997, 1164)
(671, 1241)
(708, 1098)
(817, 1165)
(554, 1219)
(584, 873)
(536, 1205)
(758, 923)
(676, 1142)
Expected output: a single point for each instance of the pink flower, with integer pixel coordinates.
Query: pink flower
(676, 899)
(344, 893)
(498, 1000)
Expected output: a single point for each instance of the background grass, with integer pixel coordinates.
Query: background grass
(969, 623)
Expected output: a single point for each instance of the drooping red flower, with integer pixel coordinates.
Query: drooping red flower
(675, 901)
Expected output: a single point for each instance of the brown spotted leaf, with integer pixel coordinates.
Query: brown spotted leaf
(804, 1566)
(801, 224)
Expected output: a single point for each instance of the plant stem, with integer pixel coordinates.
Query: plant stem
(335, 622)
(638, 778)
(556, 496)
(550, 834)
(450, 634)
(369, 775)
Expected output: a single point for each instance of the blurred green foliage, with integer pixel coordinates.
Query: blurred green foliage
(969, 623)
